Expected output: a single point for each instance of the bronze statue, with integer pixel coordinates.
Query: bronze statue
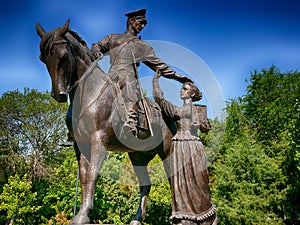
(189, 175)
(94, 113)
(68, 58)
(126, 52)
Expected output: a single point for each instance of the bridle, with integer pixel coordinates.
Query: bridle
(71, 63)
(60, 42)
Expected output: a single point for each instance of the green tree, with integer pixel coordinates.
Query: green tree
(18, 201)
(292, 167)
(272, 106)
(58, 199)
(117, 193)
(257, 169)
(31, 125)
(214, 139)
(248, 185)
(270, 101)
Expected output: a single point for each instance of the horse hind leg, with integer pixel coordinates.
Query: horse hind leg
(98, 154)
(140, 161)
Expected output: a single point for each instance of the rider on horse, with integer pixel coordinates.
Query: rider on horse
(126, 52)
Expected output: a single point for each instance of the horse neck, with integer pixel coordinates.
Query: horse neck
(89, 72)
(81, 54)
(80, 57)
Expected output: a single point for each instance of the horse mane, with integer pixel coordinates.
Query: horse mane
(77, 37)
(82, 42)
(49, 37)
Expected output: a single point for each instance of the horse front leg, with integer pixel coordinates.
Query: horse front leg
(98, 154)
(83, 166)
(140, 161)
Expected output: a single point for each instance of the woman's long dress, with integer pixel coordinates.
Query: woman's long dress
(189, 174)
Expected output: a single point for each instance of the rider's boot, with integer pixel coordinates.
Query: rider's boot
(132, 114)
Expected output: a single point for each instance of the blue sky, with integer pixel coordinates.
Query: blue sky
(232, 37)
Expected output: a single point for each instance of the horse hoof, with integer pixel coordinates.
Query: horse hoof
(135, 222)
(80, 219)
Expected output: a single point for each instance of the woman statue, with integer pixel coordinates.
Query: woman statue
(191, 200)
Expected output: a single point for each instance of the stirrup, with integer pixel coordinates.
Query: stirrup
(128, 127)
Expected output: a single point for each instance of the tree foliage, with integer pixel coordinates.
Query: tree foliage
(272, 106)
(31, 125)
(18, 200)
(117, 193)
(270, 102)
(59, 195)
(249, 185)
(257, 170)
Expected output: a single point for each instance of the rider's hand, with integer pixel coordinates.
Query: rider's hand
(98, 55)
(182, 79)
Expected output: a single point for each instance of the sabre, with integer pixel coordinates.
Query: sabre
(142, 96)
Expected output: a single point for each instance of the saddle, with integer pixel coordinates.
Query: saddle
(150, 109)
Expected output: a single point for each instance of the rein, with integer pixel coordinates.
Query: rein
(86, 73)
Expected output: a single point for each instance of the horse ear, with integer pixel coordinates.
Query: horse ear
(40, 31)
(65, 28)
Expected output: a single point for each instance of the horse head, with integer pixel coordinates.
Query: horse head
(57, 54)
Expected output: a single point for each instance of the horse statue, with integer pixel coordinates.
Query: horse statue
(92, 120)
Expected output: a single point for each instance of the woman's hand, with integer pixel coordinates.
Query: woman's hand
(156, 91)
(157, 74)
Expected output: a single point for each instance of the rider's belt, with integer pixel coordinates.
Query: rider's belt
(123, 61)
